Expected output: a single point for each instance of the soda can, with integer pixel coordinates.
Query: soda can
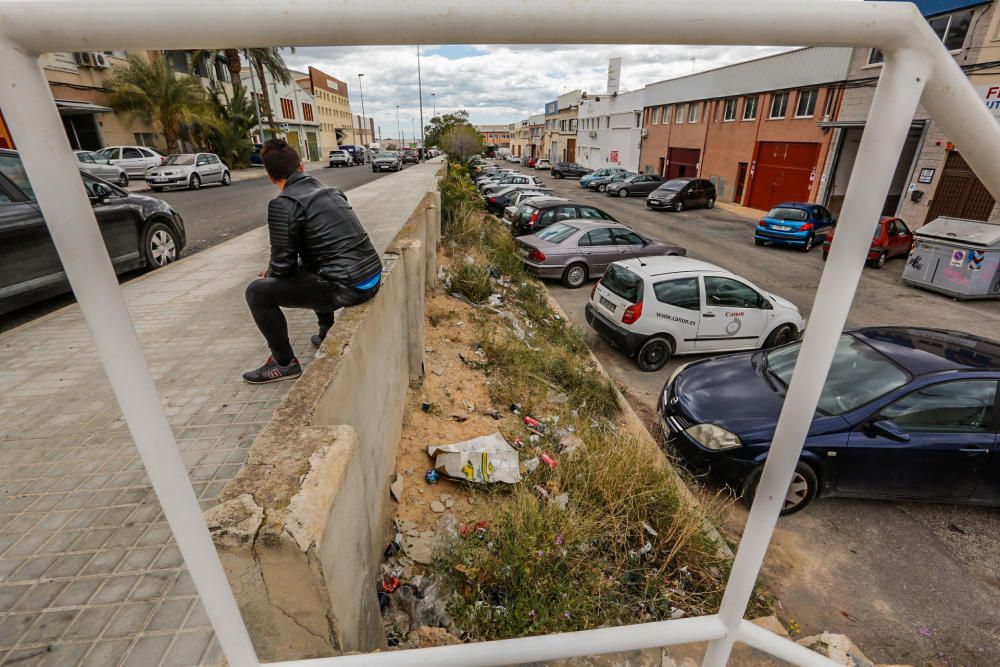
(431, 476)
(549, 461)
(426, 406)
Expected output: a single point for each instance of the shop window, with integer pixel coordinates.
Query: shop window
(657, 114)
(679, 116)
(693, 112)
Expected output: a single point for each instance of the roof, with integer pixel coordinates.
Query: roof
(935, 7)
(923, 351)
(658, 266)
(957, 230)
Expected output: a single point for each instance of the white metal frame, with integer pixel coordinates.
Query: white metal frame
(917, 70)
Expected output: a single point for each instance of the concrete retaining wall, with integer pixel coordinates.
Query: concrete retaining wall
(300, 530)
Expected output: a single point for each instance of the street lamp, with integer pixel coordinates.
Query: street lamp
(420, 91)
(435, 103)
(363, 121)
(399, 131)
(413, 132)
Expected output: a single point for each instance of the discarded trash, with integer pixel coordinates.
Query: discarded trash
(426, 406)
(488, 458)
(534, 437)
(396, 489)
(495, 273)
(494, 300)
(515, 408)
(533, 424)
(677, 613)
(531, 465)
(649, 529)
(549, 461)
(431, 476)
(494, 413)
(542, 491)
(426, 610)
(562, 500)
(390, 584)
(393, 548)
(568, 442)
(467, 529)
(518, 443)
(383, 600)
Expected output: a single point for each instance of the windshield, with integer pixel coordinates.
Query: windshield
(179, 159)
(624, 283)
(388, 154)
(556, 233)
(793, 214)
(859, 374)
(676, 184)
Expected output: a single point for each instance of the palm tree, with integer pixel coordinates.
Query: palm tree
(269, 60)
(231, 140)
(171, 102)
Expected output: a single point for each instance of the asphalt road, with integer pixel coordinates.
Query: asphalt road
(212, 215)
(910, 583)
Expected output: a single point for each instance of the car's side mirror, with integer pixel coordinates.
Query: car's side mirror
(887, 429)
(101, 193)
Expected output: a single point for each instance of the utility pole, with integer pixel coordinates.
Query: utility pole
(399, 131)
(364, 121)
(435, 103)
(420, 90)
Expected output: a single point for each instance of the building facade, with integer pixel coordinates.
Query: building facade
(363, 130)
(520, 138)
(753, 128)
(609, 130)
(333, 107)
(495, 137)
(561, 125)
(295, 114)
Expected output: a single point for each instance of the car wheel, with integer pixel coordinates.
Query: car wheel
(810, 240)
(160, 245)
(602, 187)
(879, 262)
(574, 276)
(156, 189)
(710, 203)
(226, 178)
(825, 255)
(801, 491)
(195, 182)
(557, 174)
(678, 207)
(123, 179)
(623, 193)
(654, 354)
(780, 336)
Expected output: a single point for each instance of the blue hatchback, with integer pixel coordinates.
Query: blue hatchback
(797, 224)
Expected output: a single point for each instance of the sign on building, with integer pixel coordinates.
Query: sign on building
(991, 98)
(614, 75)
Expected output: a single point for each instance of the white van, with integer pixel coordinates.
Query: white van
(655, 307)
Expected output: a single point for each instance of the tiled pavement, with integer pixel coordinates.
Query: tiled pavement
(89, 573)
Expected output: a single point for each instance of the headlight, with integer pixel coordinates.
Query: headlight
(713, 437)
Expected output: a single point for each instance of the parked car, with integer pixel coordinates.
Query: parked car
(568, 170)
(516, 179)
(340, 158)
(892, 238)
(387, 161)
(95, 165)
(661, 306)
(542, 163)
(498, 200)
(540, 213)
(138, 232)
(255, 158)
(358, 153)
(598, 180)
(640, 184)
(905, 413)
(410, 157)
(531, 162)
(520, 197)
(796, 224)
(576, 250)
(135, 160)
(679, 194)
(189, 170)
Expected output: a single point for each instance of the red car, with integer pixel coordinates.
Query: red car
(892, 238)
(532, 161)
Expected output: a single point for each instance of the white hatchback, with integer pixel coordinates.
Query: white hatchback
(655, 307)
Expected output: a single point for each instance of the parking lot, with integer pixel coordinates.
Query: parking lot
(917, 583)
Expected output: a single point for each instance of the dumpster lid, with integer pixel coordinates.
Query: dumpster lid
(970, 232)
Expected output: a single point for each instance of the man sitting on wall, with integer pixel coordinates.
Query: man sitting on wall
(321, 259)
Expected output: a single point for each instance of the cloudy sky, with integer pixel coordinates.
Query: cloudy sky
(496, 83)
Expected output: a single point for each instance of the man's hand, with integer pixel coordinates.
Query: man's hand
(262, 274)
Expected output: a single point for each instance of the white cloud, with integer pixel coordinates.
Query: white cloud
(499, 83)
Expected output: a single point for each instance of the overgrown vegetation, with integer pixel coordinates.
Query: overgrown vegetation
(622, 546)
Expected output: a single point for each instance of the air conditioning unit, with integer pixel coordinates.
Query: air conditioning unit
(84, 58)
(645, 132)
(100, 60)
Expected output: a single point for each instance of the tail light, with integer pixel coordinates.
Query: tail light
(538, 256)
(632, 313)
(492, 200)
(808, 227)
(534, 218)
(762, 223)
(593, 290)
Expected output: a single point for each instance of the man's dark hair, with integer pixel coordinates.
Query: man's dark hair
(280, 159)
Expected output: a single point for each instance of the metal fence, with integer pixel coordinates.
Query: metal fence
(917, 69)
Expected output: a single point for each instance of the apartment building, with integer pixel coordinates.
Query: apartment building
(495, 137)
(294, 114)
(753, 128)
(609, 130)
(561, 125)
(520, 138)
(333, 107)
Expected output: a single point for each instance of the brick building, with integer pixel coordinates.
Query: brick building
(333, 107)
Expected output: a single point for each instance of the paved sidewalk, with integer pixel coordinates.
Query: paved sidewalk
(89, 573)
(753, 214)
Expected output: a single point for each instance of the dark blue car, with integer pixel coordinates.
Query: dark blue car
(904, 414)
(795, 224)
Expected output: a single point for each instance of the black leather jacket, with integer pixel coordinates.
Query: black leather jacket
(312, 225)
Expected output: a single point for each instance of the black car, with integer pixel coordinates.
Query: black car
(138, 232)
(906, 413)
(387, 161)
(639, 184)
(410, 157)
(568, 170)
(679, 194)
(541, 212)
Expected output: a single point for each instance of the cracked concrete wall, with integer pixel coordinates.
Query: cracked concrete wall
(300, 529)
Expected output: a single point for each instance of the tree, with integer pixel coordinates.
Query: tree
(441, 124)
(268, 60)
(461, 141)
(171, 102)
(231, 140)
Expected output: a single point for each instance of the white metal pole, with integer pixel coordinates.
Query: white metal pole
(420, 92)
(45, 152)
(781, 647)
(896, 97)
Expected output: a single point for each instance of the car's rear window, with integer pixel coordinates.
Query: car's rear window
(557, 233)
(793, 214)
(623, 282)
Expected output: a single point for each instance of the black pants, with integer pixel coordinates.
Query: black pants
(266, 297)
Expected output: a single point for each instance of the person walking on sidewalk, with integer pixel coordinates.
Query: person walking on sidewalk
(321, 259)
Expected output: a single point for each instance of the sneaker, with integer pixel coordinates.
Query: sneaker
(272, 371)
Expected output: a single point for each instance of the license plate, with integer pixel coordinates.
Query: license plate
(524, 252)
(607, 304)
(158, 180)
(783, 228)
(654, 202)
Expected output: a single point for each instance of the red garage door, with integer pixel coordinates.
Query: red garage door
(682, 162)
(784, 172)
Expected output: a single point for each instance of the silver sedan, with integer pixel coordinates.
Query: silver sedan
(575, 250)
(190, 170)
(95, 165)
